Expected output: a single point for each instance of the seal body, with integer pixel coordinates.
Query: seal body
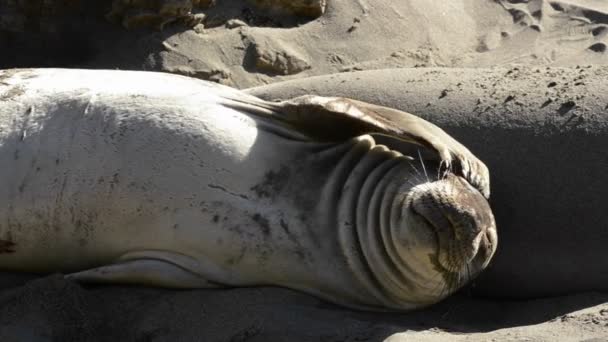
(155, 179)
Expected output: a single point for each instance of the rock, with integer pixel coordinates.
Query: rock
(203, 3)
(37, 15)
(48, 33)
(53, 16)
(275, 57)
(305, 8)
(155, 13)
(489, 41)
(197, 65)
(216, 75)
(234, 23)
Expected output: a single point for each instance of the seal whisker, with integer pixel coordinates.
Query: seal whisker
(423, 167)
(410, 182)
(415, 169)
(417, 180)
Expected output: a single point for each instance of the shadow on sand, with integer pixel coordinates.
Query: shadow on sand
(51, 307)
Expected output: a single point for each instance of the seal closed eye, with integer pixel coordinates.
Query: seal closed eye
(163, 180)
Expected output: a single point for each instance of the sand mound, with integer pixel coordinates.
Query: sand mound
(385, 34)
(243, 45)
(560, 33)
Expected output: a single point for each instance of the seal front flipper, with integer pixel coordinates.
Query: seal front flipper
(336, 119)
(153, 268)
(333, 118)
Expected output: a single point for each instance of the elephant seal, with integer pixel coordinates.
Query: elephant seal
(163, 180)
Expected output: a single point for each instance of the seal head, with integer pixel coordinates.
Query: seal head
(447, 233)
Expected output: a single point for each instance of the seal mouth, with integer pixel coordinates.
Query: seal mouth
(435, 233)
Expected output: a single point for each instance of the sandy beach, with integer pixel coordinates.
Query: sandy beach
(522, 83)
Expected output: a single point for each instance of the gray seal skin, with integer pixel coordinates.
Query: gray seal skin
(162, 180)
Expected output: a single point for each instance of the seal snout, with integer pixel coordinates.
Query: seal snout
(461, 220)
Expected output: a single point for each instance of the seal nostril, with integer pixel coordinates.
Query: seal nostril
(485, 249)
(487, 239)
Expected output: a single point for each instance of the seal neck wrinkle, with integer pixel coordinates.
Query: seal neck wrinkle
(364, 182)
(397, 281)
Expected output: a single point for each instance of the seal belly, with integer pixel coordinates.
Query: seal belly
(94, 176)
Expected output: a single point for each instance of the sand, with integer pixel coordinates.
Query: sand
(483, 70)
(243, 46)
(51, 308)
